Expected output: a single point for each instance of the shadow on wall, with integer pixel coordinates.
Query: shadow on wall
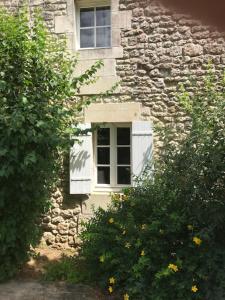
(144, 166)
(147, 158)
(78, 160)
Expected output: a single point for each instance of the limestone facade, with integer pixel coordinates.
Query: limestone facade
(153, 50)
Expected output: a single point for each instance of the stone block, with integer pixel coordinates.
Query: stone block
(63, 24)
(115, 5)
(63, 239)
(71, 241)
(114, 52)
(67, 213)
(36, 2)
(73, 231)
(55, 212)
(71, 41)
(103, 84)
(193, 50)
(57, 220)
(175, 51)
(49, 238)
(63, 228)
(138, 12)
(72, 225)
(113, 112)
(49, 227)
(116, 39)
(214, 49)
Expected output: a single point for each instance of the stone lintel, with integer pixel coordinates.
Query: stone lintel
(113, 112)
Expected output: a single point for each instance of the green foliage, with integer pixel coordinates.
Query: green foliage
(36, 82)
(65, 269)
(164, 239)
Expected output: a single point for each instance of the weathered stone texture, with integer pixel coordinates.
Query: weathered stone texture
(161, 50)
(62, 224)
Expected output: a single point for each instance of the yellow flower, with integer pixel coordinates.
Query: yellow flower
(124, 197)
(173, 267)
(190, 227)
(101, 258)
(111, 220)
(142, 253)
(116, 197)
(112, 280)
(143, 226)
(197, 241)
(127, 245)
(126, 297)
(194, 289)
(110, 289)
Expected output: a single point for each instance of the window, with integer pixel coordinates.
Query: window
(113, 155)
(95, 27)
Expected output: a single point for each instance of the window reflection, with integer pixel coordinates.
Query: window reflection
(95, 27)
(103, 175)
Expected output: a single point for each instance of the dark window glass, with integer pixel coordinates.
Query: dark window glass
(103, 136)
(103, 37)
(123, 155)
(103, 156)
(123, 175)
(104, 175)
(87, 17)
(87, 38)
(103, 17)
(123, 136)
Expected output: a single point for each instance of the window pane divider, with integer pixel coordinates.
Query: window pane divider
(100, 26)
(92, 27)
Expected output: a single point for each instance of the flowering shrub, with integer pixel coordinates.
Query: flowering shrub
(165, 238)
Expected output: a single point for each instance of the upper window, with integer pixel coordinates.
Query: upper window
(95, 27)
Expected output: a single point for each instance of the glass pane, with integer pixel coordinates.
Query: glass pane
(123, 155)
(103, 136)
(123, 136)
(103, 156)
(104, 175)
(103, 37)
(87, 17)
(103, 17)
(123, 175)
(87, 38)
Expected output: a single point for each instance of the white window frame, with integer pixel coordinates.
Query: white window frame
(92, 4)
(113, 186)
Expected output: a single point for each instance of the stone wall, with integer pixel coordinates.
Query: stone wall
(160, 49)
(61, 224)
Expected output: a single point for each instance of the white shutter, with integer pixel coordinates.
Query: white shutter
(81, 162)
(142, 146)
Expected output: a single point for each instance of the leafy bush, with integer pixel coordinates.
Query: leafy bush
(165, 238)
(36, 81)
